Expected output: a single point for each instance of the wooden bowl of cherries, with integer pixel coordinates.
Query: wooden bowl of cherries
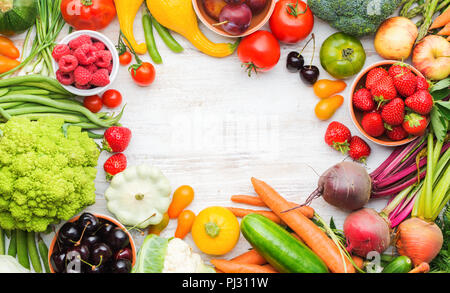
(234, 18)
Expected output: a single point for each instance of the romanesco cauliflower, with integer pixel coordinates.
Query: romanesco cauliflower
(45, 175)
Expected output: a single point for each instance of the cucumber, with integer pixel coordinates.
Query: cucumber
(401, 264)
(279, 248)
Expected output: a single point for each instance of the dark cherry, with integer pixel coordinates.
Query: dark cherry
(121, 266)
(256, 5)
(81, 250)
(89, 223)
(69, 234)
(58, 261)
(309, 74)
(124, 254)
(91, 240)
(117, 239)
(294, 62)
(104, 230)
(100, 254)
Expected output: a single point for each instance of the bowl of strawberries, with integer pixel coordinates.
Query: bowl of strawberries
(85, 62)
(390, 103)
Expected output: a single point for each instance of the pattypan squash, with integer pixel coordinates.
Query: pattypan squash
(139, 196)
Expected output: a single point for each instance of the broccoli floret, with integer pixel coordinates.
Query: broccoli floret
(356, 17)
(45, 175)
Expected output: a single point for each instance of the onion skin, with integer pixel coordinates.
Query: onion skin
(346, 185)
(366, 231)
(419, 240)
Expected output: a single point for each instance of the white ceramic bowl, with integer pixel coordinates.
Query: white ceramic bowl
(115, 58)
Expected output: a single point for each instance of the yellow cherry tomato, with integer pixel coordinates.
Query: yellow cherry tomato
(185, 222)
(215, 230)
(325, 88)
(182, 197)
(326, 108)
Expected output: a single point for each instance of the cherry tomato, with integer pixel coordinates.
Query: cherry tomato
(93, 103)
(325, 88)
(326, 108)
(291, 21)
(185, 222)
(182, 197)
(112, 98)
(143, 74)
(125, 58)
(259, 52)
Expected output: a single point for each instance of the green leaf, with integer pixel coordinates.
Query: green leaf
(439, 123)
(441, 94)
(332, 224)
(151, 256)
(442, 84)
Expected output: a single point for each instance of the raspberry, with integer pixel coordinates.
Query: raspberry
(65, 78)
(83, 87)
(68, 63)
(86, 54)
(78, 42)
(104, 58)
(100, 78)
(99, 45)
(110, 67)
(92, 68)
(82, 75)
(59, 51)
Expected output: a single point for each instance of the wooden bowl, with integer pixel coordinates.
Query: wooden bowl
(257, 21)
(105, 218)
(358, 83)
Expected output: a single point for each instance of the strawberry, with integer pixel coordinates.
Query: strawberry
(338, 136)
(398, 68)
(405, 83)
(363, 100)
(116, 139)
(359, 149)
(384, 90)
(415, 124)
(375, 75)
(396, 133)
(372, 123)
(421, 102)
(393, 112)
(114, 165)
(422, 83)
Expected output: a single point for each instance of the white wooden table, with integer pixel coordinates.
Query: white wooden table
(205, 123)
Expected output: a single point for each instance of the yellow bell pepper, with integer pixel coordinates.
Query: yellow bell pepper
(179, 16)
(215, 230)
(126, 13)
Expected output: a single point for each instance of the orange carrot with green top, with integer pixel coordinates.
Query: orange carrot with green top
(240, 213)
(250, 257)
(422, 268)
(231, 267)
(309, 232)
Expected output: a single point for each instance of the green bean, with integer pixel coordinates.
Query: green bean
(32, 251)
(10, 105)
(149, 38)
(94, 135)
(43, 252)
(32, 109)
(2, 242)
(3, 92)
(57, 104)
(35, 80)
(5, 114)
(22, 249)
(167, 37)
(69, 118)
(12, 249)
(29, 92)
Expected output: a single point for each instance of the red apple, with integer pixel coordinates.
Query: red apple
(431, 56)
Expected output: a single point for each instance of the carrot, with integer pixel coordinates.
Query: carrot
(359, 261)
(441, 20)
(231, 267)
(250, 257)
(256, 201)
(445, 31)
(240, 213)
(309, 232)
(422, 268)
(218, 271)
(270, 267)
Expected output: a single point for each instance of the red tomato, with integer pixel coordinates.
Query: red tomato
(143, 74)
(93, 103)
(88, 15)
(125, 58)
(291, 21)
(112, 98)
(259, 51)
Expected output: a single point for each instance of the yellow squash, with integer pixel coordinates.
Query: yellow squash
(179, 16)
(126, 13)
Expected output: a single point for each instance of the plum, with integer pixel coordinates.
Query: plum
(214, 7)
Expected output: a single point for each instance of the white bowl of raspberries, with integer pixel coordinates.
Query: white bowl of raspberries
(85, 62)
(390, 103)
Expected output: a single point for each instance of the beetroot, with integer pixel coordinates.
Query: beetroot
(366, 231)
(346, 185)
